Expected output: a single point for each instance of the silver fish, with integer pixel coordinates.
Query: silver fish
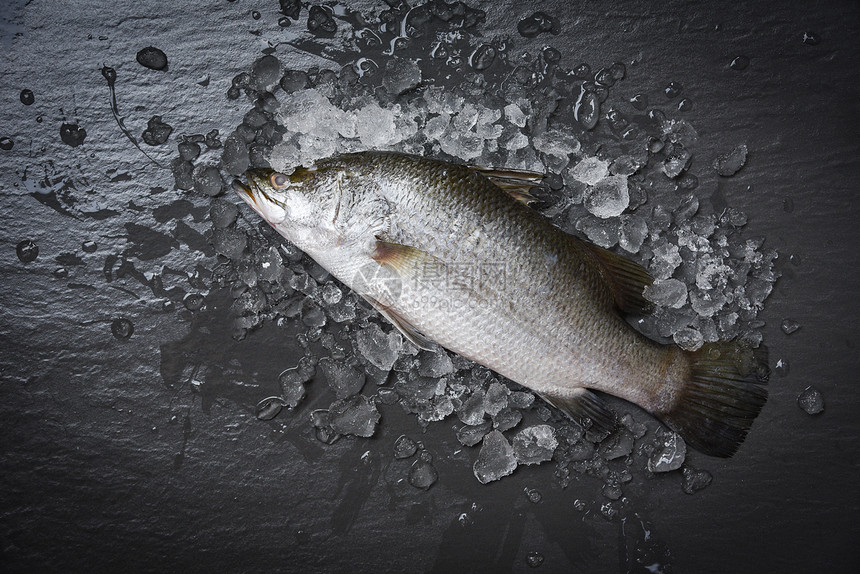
(452, 255)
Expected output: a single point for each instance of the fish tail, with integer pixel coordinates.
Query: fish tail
(721, 396)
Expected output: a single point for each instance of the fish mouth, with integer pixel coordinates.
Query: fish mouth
(253, 189)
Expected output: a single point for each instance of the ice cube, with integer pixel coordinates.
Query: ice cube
(688, 338)
(601, 232)
(401, 75)
(515, 115)
(375, 126)
(665, 260)
(496, 398)
(695, 480)
(617, 445)
(669, 454)
(379, 348)
(667, 293)
(789, 326)
(634, 230)
(608, 197)
(434, 363)
(342, 378)
(535, 444)
(811, 401)
(590, 170)
(506, 419)
(355, 415)
(496, 458)
(472, 410)
(470, 435)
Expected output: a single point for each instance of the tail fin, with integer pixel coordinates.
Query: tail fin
(722, 396)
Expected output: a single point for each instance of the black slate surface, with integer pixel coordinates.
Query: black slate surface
(109, 459)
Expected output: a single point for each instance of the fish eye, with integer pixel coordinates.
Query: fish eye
(279, 180)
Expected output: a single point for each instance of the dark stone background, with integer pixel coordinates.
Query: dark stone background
(109, 460)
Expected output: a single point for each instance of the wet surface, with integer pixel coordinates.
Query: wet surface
(133, 367)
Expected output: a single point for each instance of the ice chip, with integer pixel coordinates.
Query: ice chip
(355, 415)
(379, 348)
(669, 454)
(496, 458)
(729, 164)
(617, 445)
(535, 444)
(506, 419)
(695, 480)
(789, 326)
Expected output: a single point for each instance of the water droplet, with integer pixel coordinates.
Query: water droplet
(268, 408)
(551, 55)
(639, 101)
(27, 251)
(152, 58)
(483, 57)
(740, 63)
(61, 273)
(794, 259)
(27, 97)
(89, 246)
(788, 205)
(255, 15)
(533, 495)
(72, 134)
(404, 447)
(789, 326)
(811, 38)
(122, 328)
(193, 301)
(534, 559)
(586, 110)
(673, 90)
(284, 22)
(781, 367)
(537, 23)
(6, 143)
(685, 105)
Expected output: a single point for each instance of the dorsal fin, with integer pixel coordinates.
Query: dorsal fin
(626, 279)
(515, 183)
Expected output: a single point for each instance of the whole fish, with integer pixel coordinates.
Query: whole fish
(452, 254)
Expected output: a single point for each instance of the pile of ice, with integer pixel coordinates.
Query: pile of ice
(625, 185)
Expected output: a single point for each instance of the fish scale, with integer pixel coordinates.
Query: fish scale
(485, 276)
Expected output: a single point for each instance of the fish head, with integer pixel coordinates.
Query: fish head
(291, 203)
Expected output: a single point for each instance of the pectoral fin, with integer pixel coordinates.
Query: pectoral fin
(406, 260)
(515, 183)
(584, 406)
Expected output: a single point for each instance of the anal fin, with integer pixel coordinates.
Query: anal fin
(586, 408)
